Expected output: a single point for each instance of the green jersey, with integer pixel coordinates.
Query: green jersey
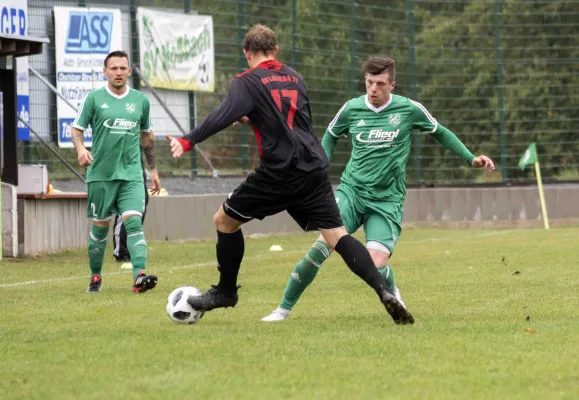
(381, 139)
(117, 123)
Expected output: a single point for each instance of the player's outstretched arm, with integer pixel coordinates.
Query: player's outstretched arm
(453, 143)
(148, 147)
(449, 140)
(237, 104)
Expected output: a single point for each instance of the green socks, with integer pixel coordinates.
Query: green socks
(136, 243)
(388, 274)
(304, 273)
(97, 243)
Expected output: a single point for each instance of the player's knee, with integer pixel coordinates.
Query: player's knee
(333, 236)
(224, 223)
(104, 223)
(133, 224)
(380, 254)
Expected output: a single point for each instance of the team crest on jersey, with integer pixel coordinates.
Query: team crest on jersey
(394, 119)
(130, 107)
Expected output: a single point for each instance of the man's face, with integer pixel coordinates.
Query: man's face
(378, 88)
(117, 71)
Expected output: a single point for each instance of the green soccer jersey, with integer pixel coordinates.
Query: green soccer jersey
(381, 139)
(116, 123)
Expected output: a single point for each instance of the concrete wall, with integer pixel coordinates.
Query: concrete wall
(56, 224)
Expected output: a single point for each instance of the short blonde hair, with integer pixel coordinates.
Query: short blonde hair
(260, 39)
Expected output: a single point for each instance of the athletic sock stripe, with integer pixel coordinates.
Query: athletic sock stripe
(325, 251)
(97, 240)
(312, 261)
(135, 234)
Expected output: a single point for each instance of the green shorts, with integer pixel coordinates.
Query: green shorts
(382, 221)
(106, 199)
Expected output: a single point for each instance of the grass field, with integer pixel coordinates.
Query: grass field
(473, 294)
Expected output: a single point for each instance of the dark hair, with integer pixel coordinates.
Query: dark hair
(377, 66)
(116, 53)
(260, 39)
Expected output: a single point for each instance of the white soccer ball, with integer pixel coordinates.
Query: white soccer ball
(179, 310)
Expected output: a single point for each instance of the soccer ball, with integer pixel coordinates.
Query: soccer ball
(179, 310)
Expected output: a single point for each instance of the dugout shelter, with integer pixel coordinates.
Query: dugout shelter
(11, 47)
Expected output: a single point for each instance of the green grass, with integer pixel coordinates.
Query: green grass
(469, 340)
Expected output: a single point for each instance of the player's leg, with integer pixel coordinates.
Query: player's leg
(323, 213)
(257, 197)
(101, 197)
(382, 226)
(301, 277)
(306, 270)
(229, 250)
(120, 249)
(131, 205)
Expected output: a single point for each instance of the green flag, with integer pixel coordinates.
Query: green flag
(530, 157)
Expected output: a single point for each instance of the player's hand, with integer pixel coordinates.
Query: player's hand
(176, 147)
(483, 162)
(155, 182)
(244, 121)
(84, 158)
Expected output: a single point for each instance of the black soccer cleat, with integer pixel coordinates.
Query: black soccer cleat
(144, 282)
(395, 308)
(214, 298)
(95, 284)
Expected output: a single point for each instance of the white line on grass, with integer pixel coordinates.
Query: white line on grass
(54, 280)
(205, 264)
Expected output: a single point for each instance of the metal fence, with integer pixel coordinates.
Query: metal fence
(498, 73)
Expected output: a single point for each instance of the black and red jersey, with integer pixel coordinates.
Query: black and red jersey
(272, 95)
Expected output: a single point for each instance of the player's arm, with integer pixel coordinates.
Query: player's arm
(338, 127)
(148, 147)
(427, 123)
(79, 125)
(237, 103)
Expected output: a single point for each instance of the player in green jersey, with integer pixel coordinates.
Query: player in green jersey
(121, 125)
(373, 185)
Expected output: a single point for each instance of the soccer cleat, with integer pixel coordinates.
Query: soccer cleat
(95, 284)
(395, 307)
(213, 298)
(144, 282)
(279, 314)
(399, 297)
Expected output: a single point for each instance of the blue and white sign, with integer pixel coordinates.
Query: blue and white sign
(89, 32)
(14, 21)
(83, 38)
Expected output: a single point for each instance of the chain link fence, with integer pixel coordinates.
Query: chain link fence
(498, 73)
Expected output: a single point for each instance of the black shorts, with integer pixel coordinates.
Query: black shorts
(307, 197)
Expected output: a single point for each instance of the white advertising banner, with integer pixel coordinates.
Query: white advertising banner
(176, 50)
(14, 21)
(83, 38)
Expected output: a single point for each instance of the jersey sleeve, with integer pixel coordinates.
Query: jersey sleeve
(237, 103)
(340, 125)
(146, 125)
(85, 113)
(421, 118)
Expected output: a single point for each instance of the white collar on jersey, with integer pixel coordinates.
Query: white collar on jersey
(376, 109)
(116, 96)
